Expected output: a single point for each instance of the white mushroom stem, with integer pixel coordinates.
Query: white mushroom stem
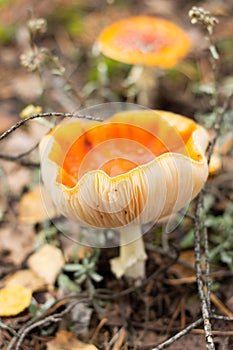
(131, 262)
(145, 81)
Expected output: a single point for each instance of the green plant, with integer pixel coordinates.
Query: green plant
(84, 272)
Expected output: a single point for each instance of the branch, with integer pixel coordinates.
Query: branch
(218, 124)
(178, 335)
(200, 227)
(18, 339)
(46, 115)
(18, 158)
(221, 317)
(197, 250)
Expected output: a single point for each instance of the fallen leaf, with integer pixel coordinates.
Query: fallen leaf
(36, 206)
(65, 340)
(16, 242)
(14, 299)
(30, 110)
(26, 278)
(182, 271)
(47, 262)
(215, 164)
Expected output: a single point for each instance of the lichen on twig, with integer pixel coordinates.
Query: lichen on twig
(178, 335)
(46, 115)
(198, 15)
(18, 158)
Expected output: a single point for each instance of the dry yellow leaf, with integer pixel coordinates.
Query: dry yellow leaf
(36, 206)
(67, 341)
(215, 164)
(30, 110)
(26, 278)
(14, 299)
(47, 263)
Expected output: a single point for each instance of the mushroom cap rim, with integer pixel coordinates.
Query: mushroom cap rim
(117, 178)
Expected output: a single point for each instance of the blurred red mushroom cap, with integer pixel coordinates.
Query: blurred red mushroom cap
(144, 40)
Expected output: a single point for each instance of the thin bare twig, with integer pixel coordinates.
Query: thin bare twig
(219, 120)
(197, 250)
(199, 15)
(200, 227)
(216, 332)
(187, 330)
(178, 335)
(17, 341)
(22, 162)
(207, 258)
(8, 328)
(46, 115)
(221, 317)
(18, 158)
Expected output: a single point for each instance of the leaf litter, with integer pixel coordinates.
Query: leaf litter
(146, 312)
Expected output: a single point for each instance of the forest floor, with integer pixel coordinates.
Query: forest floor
(107, 313)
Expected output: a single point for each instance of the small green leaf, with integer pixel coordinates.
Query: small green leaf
(65, 282)
(81, 279)
(74, 267)
(95, 276)
(227, 258)
(188, 240)
(33, 308)
(215, 286)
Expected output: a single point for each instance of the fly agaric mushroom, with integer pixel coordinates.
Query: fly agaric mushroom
(133, 168)
(144, 41)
